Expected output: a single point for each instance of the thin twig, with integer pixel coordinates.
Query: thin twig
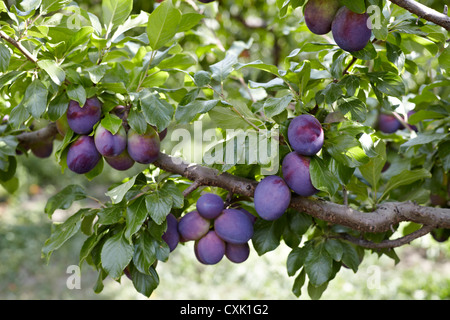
(19, 46)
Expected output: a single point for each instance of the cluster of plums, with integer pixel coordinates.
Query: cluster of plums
(273, 193)
(350, 30)
(216, 230)
(120, 150)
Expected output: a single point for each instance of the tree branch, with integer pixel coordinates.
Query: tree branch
(380, 220)
(49, 132)
(388, 244)
(424, 12)
(19, 46)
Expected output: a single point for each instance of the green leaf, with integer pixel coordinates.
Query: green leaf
(53, 5)
(223, 68)
(388, 83)
(358, 6)
(350, 256)
(116, 254)
(170, 190)
(406, 177)
(157, 112)
(321, 177)
(189, 20)
(158, 206)
(163, 24)
(444, 59)
(186, 113)
(77, 93)
(424, 138)
(110, 215)
(144, 252)
(275, 106)
(65, 198)
(354, 106)
(296, 259)
(371, 171)
(58, 107)
(115, 12)
(318, 265)
(53, 70)
(132, 22)
(35, 99)
(267, 235)
(63, 232)
(145, 283)
(136, 215)
(5, 57)
(112, 123)
(298, 283)
(119, 192)
(334, 249)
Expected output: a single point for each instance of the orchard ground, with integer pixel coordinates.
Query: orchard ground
(422, 273)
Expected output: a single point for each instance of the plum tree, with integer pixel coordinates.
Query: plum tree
(306, 135)
(146, 66)
(192, 226)
(209, 249)
(319, 15)
(350, 30)
(237, 253)
(108, 144)
(233, 226)
(82, 119)
(210, 206)
(171, 235)
(272, 198)
(295, 168)
(83, 156)
(143, 148)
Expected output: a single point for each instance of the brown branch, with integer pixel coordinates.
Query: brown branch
(380, 220)
(49, 132)
(424, 12)
(19, 46)
(389, 244)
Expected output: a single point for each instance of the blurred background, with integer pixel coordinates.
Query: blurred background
(422, 273)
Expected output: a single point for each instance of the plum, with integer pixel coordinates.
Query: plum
(248, 214)
(305, 135)
(83, 156)
(388, 123)
(413, 127)
(171, 235)
(210, 249)
(121, 162)
(237, 253)
(233, 226)
(143, 148)
(43, 148)
(192, 226)
(350, 30)
(108, 144)
(295, 168)
(82, 119)
(210, 206)
(206, 1)
(272, 198)
(319, 15)
(119, 111)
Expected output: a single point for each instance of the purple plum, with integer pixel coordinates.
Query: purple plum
(233, 226)
(192, 226)
(171, 235)
(83, 156)
(108, 144)
(319, 15)
(272, 198)
(143, 148)
(82, 119)
(350, 30)
(295, 168)
(388, 123)
(306, 135)
(237, 253)
(121, 162)
(210, 249)
(210, 206)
